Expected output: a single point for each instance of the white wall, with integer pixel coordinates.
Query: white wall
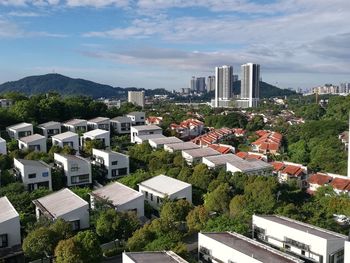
(14, 133)
(74, 139)
(137, 203)
(39, 142)
(109, 157)
(126, 259)
(347, 251)
(52, 127)
(3, 148)
(81, 213)
(12, 228)
(134, 132)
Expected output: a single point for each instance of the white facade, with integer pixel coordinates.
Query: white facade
(66, 205)
(195, 155)
(174, 147)
(152, 257)
(34, 174)
(250, 85)
(145, 138)
(157, 143)
(121, 125)
(50, 128)
(121, 197)
(250, 167)
(161, 186)
(99, 135)
(102, 123)
(5, 103)
(137, 118)
(70, 139)
(20, 130)
(10, 229)
(137, 98)
(303, 240)
(3, 148)
(232, 247)
(347, 251)
(35, 142)
(76, 125)
(76, 169)
(144, 130)
(114, 164)
(223, 84)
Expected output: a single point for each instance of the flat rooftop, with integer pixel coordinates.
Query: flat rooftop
(35, 163)
(20, 126)
(149, 136)
(75, 122)
(99, 119)
(201, 152)
(166, 140)
(49, 124)
(147, 128)
(222, 159)
(165, 184)
(252, 248)
(65, 135)
(121, 119)
(7, 210)
(108, 152)
(250, 164)
(155, 257)
(71, 157)
(32, 138)
(135, 113)
(95, 132)
(182, 146)
(61, 202)
(117, 193)
(310, 229)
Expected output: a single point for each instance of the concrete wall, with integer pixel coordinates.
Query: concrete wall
(138, 204)
(81, 213)
(73, 139)
(12, 228)
(40, 142)
(3, 148)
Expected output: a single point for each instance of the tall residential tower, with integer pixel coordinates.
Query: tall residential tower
(223, 84)
(250, 87)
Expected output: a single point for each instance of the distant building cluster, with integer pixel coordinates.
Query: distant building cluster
(342, 89)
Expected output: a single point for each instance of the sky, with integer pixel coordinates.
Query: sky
(162, 43)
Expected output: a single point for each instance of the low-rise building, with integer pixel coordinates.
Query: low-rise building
(98, 135)
(308, 242)
(269, 142)
(144, 130)
(137, 118)
(232, 247)
(195, 155)
(161, 186)
(251, 155)
(68, 138)
(76, 125)
(214, 136)
(102, 123)
(50, 128)
(250, 167)
(287, 171)
(20, 130)
(145, 138)
(153, 120)
(222, 148)
(3, 148)
(121, 125)
(188, 129)
(120, 197)
(152, 257)
(5, 103)
(10, 232)
(175, 147)
(112, 164)
(76, 169)
(220, 161)
(34, 174)
(158, 143)
(35, 142)
(66, 205)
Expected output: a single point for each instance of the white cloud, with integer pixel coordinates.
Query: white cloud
(23, 14)
(97, 3)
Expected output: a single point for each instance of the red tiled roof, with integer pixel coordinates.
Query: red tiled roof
(293, 170)
(277, 166)
(220, 148)
(319, 179)
(340, 183)
(242, 155)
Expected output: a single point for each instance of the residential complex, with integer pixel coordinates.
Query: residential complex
(223, 86)
(250, 86)
(137, 98)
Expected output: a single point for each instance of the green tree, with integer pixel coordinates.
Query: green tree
(39, 243)
(197, 218)
(90, 250)
(68, 251)
(219, 199)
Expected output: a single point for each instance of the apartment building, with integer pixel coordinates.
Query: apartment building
(137, 118)
(152, 257)
(194, 156)
(181, 146)
(157, 143)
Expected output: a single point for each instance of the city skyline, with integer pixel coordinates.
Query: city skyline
(158, 44)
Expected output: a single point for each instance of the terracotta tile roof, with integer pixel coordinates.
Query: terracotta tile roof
(277, 166)
(220, 148)
(293, 170)
(246, 155)
(268, 140)
(154, 120)
(319, 179)
(242, 155)
(340, 184)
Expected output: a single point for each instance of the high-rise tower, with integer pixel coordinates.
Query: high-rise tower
(250, 87)
(223, 84)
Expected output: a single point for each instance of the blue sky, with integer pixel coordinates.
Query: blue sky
(162, 43)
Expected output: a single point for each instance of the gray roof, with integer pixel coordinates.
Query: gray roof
(20, 125)
(99, 119)
(36, 163)
(250, 164)
(64, 135)
(252, 248)
(223, 159)
(74, 122)
(201, 152)
(2, 140)
(7, 210)
(147, 128)
(150, 136)
(121, 119)
(135, 113)
(49, 124)
(70, 157)
(310, 229)
(165, 184)
(155, 257)
(32, 138)
(61, 202)
(117, 193)
(166, 140)
(109, 152)
(182, 146)
(95, 132)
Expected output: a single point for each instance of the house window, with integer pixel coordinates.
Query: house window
(45, 174)
(3, 241)
(159, 200)
(115, 163)
(151, 197)
(122, 171)
(114, 172)
(31, 176)
(75, 225)
(84, 178)
(151, 132)
(146, 194)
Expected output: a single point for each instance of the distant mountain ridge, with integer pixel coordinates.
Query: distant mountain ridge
(70, 86)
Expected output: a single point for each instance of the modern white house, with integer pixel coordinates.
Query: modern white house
(76, 169)
(121, 125)
(161, 186)
(50, 128)
(3, 147)
(34, 174)
(194, 156)
(152, 257)
(232, 247)
(144, 130)
(145, 138)
(102, 123)
(137, 118)
(175, 147)
(347, 251)
(10, 231)
(250, 167)
(158, 143)
(35, 142)
(305, 241)
(66, 205)
(120, 197)
(75, 125)
(113, 164)
(97, 134)
(20, 130)
(287, 171)
(220, 161)
(68, 138)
